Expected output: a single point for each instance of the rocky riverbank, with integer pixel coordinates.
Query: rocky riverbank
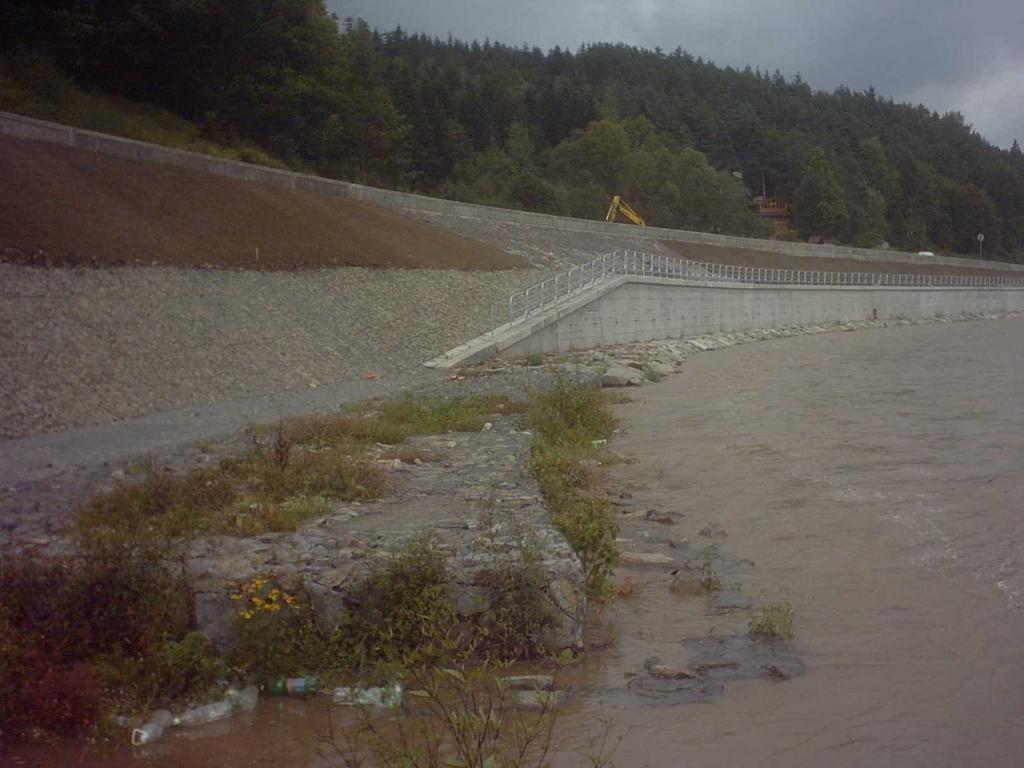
(626, 365)
(471, 494)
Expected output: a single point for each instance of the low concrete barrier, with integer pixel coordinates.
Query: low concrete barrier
(645, 309)
(41, 130)
(636, 308)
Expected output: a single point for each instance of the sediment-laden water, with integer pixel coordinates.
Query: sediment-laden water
(874, 481)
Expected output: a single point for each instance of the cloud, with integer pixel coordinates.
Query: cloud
(949, 54)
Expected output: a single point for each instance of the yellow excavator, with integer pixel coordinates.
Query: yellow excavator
(621, 206)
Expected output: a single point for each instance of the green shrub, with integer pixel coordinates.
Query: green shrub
(404, 615)
(518, 609)
(59, 621)
(590, 527)
(41, 695)
(560, 471)
(570, 415)
(570, 423)
(275, 632)
(175, 670)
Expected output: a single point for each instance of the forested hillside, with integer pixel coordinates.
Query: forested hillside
(685, 141)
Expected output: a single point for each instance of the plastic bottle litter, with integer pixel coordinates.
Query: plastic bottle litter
(296, 686)
(249, 698)
(152, 730)
(245, 699)
(387, 697)
(208, 713)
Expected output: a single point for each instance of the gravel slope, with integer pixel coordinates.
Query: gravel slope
(94, 345)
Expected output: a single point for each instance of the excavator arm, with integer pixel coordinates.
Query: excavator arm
(621, 206)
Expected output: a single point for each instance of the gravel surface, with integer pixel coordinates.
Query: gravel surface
(92, 346)
(544, 247)
(44, 477)
(549, 247)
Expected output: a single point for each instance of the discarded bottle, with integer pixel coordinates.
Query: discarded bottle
(387, 697)
(296, 686)
(245, 699)
(248, 698)
(152, 730)
(208, 713)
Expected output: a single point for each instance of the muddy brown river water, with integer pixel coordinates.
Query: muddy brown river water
(871, 479)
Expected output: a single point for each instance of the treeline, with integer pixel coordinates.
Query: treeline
(684, 141)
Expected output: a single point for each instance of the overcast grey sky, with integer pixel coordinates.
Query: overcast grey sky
(946, 54)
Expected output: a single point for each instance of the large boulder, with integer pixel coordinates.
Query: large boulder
(621, 376)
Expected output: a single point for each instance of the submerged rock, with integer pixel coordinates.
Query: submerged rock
(539, 700)
(529, 682)
(669, 691)
(738, 657)
(730, 600)
(644, 558)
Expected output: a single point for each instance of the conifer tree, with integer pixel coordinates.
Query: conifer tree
(819, 204)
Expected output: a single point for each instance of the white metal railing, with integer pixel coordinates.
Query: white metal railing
(524, 303)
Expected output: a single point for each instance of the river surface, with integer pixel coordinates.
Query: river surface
(871, 479)
(876, 477)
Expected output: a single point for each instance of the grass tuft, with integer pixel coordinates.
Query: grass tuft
(571, 422)
(710, 581)
(774, 621)
(291, 473)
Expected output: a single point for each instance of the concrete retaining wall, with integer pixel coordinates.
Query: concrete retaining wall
(41, 130)
(646, 309)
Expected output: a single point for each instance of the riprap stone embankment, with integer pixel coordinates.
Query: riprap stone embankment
(92, 346)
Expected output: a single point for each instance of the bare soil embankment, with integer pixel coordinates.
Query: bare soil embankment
(63, 206)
